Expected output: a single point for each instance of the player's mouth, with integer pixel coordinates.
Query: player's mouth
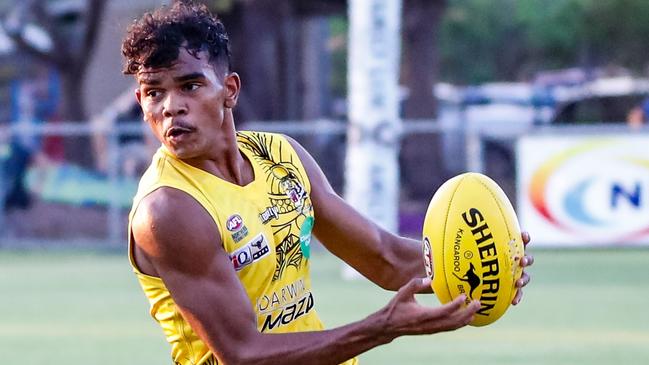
(177, 132)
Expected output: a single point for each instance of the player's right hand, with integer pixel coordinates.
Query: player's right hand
(405, 316)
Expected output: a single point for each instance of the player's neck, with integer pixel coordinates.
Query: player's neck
(225, 160)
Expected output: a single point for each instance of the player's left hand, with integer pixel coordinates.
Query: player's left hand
(525, 261)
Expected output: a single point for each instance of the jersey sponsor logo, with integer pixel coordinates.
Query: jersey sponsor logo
(269, 214)
(241, 258)
(289, 313)
(281, 297)
(252, 251)
(305, 236)
(234, 223)
(240, 234)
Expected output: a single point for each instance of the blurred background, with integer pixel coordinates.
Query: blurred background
(549, 98)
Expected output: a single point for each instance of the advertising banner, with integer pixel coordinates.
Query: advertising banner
(577, 190)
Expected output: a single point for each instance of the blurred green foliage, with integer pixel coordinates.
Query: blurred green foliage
(482, 40)
(338, 28)
(486, 40)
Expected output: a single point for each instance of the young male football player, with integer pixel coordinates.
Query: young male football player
(221, 226)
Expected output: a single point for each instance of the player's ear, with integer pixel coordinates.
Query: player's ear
(138, 96)
(232, 85)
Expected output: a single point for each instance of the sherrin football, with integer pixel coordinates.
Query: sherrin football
(472, 244)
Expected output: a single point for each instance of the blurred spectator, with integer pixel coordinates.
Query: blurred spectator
(34, 100)
(135, 150)
(638, 115)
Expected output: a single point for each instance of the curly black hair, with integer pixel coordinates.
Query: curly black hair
(155, 39)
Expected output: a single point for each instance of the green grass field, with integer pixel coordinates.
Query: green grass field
(583, 307)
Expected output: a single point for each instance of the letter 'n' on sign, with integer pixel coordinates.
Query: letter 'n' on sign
(633, 197)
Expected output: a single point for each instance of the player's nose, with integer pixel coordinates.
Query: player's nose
(174, 105)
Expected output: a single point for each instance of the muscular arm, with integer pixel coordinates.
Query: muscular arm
(180, 241)
(386, 259)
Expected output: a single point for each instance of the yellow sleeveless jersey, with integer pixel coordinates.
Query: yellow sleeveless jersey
(265, 227)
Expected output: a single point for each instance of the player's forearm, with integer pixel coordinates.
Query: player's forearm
(406, 261)
(317, 348)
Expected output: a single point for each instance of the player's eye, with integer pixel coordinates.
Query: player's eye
(191, 86)
(153, 93)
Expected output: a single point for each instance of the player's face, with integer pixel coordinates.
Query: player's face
(186, 104)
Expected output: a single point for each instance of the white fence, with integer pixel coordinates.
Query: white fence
(99, 217)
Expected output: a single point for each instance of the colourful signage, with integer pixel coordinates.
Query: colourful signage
(584, 190)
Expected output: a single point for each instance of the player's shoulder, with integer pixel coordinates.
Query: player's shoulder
(164, 200)
(167, 212)
(174, 230)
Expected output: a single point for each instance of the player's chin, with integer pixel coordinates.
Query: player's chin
(182, 151)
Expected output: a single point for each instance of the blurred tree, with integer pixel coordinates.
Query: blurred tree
(483, 40)
(269, 39)
(72, 31)
(553, 33)
(478, 38)
(616, 32)
(68, 31)
(420, 68)
(421, 20)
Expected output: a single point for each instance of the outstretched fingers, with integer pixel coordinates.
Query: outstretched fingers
(452, 306)
(404, 316)
(452, 315)
(467, 314)
(414, 286)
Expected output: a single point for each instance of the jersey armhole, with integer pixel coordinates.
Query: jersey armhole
(131, 237)
(296, 160)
